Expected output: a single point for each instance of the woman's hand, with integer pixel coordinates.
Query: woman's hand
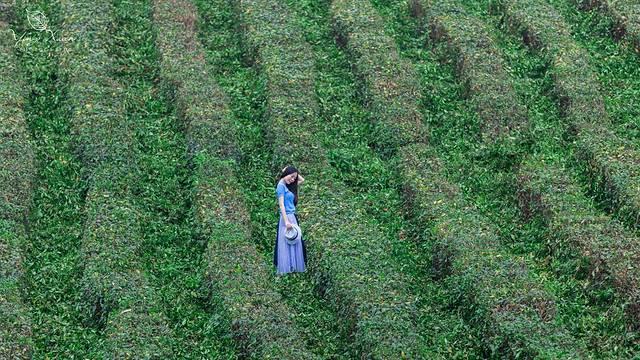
(288, 225)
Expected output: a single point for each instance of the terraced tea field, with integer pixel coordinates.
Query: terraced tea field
(472, 179)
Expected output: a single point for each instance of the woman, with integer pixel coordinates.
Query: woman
(288, 258)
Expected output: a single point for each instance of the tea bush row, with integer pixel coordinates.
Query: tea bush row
(349, 254)
(609, 161)
(492, 288)
(236, 272)
(480, 68)
(625, 13)
(116, 296)
(563, 224)
(383, 73)
(574, 226)
(17, 172)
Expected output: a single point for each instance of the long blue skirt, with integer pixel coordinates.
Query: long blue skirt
(288, 258)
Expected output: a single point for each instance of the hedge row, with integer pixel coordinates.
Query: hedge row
(236, 272)
(493, 289)
(349, 255)
(115, 293)
(625, 13)
(610, 162)
(574, 226)
(379, 68)
(544, 189)
(479, 67)
(16, 176)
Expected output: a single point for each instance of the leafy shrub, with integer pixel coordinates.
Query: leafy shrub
(380, 70)
(17, 173)
(625, 13)
(493, 289)
(480, 68)
(116, 296)
(260, 320)
(351, 260)
(574, 226)
(609, 161)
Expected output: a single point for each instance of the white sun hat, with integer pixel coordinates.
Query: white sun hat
(293, 235)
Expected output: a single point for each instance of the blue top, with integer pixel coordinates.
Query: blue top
(282, 189)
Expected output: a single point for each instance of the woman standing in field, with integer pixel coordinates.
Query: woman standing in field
(288, 257)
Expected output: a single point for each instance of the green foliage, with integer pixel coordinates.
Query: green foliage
(609, 161)
(56, 219)
(495, 291)
(466, 254)
(352, 263)
(342, 127)
(17, 174)
(317, 322)
(573, 223)
(579, 302)
(117, 297)
(481, 70)
(626, 16)
(169, 253)
(380, 71)
(183, 162)
(571, 233)
(614, 63)
(238, 276)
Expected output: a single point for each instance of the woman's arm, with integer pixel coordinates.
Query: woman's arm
(283, 211)
(300, 179)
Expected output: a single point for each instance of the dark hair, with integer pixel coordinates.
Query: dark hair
(293, 187)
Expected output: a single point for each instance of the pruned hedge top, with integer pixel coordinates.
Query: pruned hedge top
(17, 172)
(117, 297)
(96, 97)
(352, 261)
(286, 59)
(391, 82)
(625, 13)
(261, 322)
(495, 290)
(199, 101)
(497, 286)
(17, 168)
(544, 29)
(574, 224)
(610, 161)
(479, 66)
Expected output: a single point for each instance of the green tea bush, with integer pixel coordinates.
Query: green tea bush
(625, 13)
(95, 102)
(380, 70)
(481, 70)
(51, 255)
(493, 289)
(609, 161)
(478, 280)
(614, 62)
(17, 172)
(290, 73)
(597, 241)
(115, 294)
(349, 255)
(574, 226)
(114, 290)
(260, 319)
